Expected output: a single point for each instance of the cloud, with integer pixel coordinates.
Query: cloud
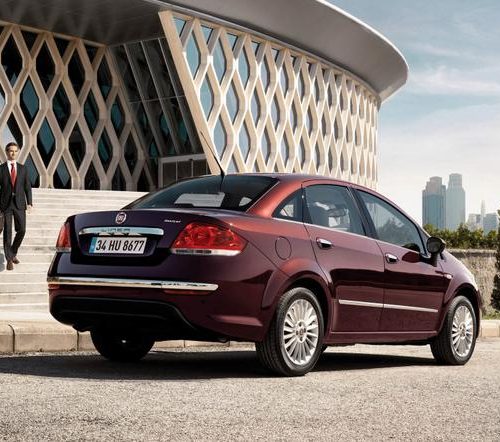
(447, 80)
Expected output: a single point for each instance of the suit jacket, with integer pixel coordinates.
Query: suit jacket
(22, 188)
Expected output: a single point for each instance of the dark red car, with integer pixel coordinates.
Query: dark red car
(293, 263)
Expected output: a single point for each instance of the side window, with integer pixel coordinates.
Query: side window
(290, 208)
(391, 225)
(333, 207)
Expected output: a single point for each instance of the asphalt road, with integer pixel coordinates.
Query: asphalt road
(355, 393)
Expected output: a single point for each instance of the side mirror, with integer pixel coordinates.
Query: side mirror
(435, 246)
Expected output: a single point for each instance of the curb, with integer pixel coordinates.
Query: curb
(29, 337)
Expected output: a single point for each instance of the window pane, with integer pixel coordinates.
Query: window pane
(333, 207)
(291, 208)
(390, 224)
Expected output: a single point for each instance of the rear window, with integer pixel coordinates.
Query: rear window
(234, 192)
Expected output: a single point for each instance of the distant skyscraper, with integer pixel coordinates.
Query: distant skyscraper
(483, 213)
(455, 202)
(490, 222)
(474, 221)
(434, 203)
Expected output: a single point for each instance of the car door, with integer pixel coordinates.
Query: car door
(351, 261)
(413, 288)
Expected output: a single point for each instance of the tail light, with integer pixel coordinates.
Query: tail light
(63, 243)
(207, 239)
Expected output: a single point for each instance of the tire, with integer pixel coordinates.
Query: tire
(296, 352)
(121, 347)
(456, 341)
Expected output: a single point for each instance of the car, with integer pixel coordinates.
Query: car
(293, 263)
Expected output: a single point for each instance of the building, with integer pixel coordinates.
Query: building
(474, 221)
(455, 202)
(490, 223)
(132, 94)
(434, 203)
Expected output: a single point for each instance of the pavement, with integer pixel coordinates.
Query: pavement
(355, 393)
(29, 331)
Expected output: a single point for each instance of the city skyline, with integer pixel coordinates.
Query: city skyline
(445, 119)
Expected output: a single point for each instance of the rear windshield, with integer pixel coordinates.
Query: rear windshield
(234, 192)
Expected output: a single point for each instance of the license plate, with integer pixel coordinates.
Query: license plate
(125, 245)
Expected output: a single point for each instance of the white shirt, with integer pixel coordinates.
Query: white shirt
(10, 166)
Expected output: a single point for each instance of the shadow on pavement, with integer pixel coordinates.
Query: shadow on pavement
(184, 366)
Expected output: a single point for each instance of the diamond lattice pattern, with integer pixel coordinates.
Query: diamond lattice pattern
(271, 108)
(61, 101)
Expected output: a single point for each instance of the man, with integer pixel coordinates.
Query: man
(15, 192)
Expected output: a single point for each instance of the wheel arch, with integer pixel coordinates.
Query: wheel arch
(470, 292)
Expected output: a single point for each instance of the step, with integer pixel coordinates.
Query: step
(19, 275)
(25, 267)
(27, 258)
(24, 298)
(22, 287)
(35, 240)
(32, 307)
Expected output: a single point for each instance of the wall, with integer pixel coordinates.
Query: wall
(482, 264)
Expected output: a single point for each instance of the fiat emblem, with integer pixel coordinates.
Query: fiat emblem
(120, 218)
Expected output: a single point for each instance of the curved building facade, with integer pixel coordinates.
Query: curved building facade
(133, 94)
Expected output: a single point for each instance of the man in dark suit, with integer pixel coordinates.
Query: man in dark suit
(15, 195)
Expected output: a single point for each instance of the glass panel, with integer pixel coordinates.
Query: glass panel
(29, 38)
(200, 167)
(266, 146)
(343, 161)
(330, 160)
(153, 153)
(220, 138)
(291, 208)
(275, 112)
(166, 136)
(275, 53)
(284, 149)
(126, 73)
(255, 46)
(45, 67)
(105, 150)
(207, 97)
(302, 153)
(62, 178)
(179, 24)
(293, 117)
(76, 72)
(117, 117)
(12, 61)
(91, 52)
(232, 168)
(391, 225)
(32, 172)
(265, 75)
(91, 112)
(61, 106)
(76, 146)
(193, 55)
(142, 119)
(91, 178)
(232, 39)
(300, 85)
(29, 102)
(12, 132)
(159, 68)
(130, 154)
(118, 182)
(244, 142)
(143, 74)
(333, 207)
(2, 98)
(143, 183)
(284, 80)
(62, 45)
(233, 102)
(255, 108)
(46, 142)
(219, 61)
(309, 122)
(316, 156)
(104, 78)
(207, 32)
(243, 67)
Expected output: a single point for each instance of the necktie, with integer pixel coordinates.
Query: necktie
(13, 175)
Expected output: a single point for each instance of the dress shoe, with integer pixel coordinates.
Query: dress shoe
(15, 260)
(10, 265)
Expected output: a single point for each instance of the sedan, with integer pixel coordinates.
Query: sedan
(293, 263)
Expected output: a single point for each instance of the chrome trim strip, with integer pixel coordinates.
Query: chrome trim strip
(388, 306)
(205, 252)
(132, 283)
(360, 303)
(409, 307)
(110, 231)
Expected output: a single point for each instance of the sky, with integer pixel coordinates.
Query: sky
(446, 119)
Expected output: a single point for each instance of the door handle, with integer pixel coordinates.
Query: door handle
(391, 259)
(324, 243)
